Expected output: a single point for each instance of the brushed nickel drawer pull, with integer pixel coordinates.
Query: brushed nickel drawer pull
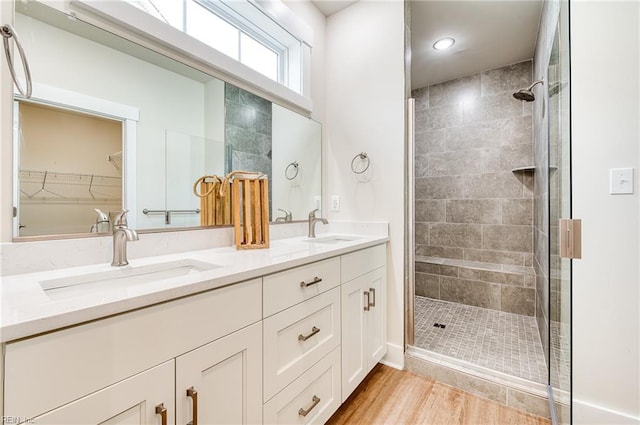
(314, 331)
(315, 401)
(315, 280)
(373, 294)
(162, 411)
(191, 392)
(367, 304)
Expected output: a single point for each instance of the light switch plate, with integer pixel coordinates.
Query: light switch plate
(335, 203)
(621, 181)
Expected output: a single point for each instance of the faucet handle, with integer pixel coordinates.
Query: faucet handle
(119, 218)
(312, 214)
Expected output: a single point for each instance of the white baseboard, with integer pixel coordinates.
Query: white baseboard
(589, 414)
(394, 357)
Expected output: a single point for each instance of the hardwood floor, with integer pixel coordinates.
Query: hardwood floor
(390, 396)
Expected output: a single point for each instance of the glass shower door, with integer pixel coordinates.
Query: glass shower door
(560, 207)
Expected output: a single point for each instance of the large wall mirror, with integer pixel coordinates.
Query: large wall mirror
(112, 124)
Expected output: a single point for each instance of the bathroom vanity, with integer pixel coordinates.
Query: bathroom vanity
(281, 335)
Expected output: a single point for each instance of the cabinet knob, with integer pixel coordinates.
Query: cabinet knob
(191, 392)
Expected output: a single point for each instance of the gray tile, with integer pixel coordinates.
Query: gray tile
(506, 158)
(421, 97)
(455, 235)
(517, 211)
(421, 233)
(440, 117)
(507, 79)
(479, 294)
(528, 402)
(428, 285)
(516, 131)
(492, 276)
(518, 300)
(489, 256)
(489, 108)
(421, 163)
(429, 141)
(504, 342)
(424, 267)
(443, 252)
(447, 187)
(487, 211)
(430, 210)
(454, 91)
(507, 238)
(492, 185)
(479, 135)
(454, 163)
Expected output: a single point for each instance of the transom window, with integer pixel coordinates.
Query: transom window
(240, 30)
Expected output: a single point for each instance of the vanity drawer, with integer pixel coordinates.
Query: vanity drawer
(290, 287)
(362, 262)
(298, 337)
(44, 372)
(316, 393)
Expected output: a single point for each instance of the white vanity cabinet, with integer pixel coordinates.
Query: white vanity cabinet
(363, 314)
(52, 371)
(288, 347)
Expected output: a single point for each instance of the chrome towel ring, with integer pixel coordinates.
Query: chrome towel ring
(291, 172)
(7, 32)
(363, 158)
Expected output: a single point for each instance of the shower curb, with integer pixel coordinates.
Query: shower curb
(527, 396)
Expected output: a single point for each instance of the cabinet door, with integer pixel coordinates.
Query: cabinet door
(375, 318)
(364, 328)
(227, 377)
(132, 401)
(354, 361)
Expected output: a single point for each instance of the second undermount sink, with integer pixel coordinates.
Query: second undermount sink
(76, 285)
(333, 239)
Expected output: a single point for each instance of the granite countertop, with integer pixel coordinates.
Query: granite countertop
(28, 310)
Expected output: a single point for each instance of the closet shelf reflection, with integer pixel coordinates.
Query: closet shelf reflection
(54, 187)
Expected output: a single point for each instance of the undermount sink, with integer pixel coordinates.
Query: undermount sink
(67, 287)
(332, 239)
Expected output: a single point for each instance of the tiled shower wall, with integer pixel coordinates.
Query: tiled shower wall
(470, 134)
(470, 204)
(247, 132)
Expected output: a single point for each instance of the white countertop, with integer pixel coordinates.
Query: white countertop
(27, 310)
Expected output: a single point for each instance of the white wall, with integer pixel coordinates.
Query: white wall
(365, 112)
(605, 108)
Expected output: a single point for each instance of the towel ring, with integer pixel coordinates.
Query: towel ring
(287, 172)
(363, 156)
(7, 32)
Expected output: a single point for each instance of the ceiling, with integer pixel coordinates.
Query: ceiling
(488, 34)
(329, 7)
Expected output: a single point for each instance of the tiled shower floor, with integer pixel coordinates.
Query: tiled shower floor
(500, 341)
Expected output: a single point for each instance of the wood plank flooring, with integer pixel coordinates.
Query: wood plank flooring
(390, 396)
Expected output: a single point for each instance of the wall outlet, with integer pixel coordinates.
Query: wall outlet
(335, 203)
(621, 181)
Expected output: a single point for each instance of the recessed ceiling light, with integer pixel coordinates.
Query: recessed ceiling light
(444, 43)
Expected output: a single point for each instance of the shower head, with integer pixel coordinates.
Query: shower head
(527, 94)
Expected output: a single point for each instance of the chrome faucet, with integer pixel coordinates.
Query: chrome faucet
(121, 234)
(287, 216)
(312, 222)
